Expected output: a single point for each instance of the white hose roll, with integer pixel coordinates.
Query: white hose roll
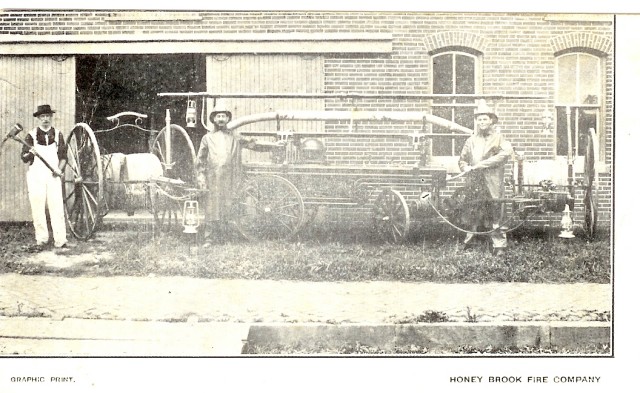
(141, 167)
(112, 164)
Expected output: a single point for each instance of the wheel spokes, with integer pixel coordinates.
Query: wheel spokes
(391, 215)
(82, 185)
(269, 207)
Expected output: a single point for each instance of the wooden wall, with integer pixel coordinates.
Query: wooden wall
(25, 83)
(268, 74)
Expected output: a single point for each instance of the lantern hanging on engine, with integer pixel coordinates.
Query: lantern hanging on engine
(191, 117)
(190, 217)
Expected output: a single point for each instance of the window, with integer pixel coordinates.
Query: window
(454, 73)
(578, 100)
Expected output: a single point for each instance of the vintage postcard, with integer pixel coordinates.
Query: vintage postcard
(434, 193)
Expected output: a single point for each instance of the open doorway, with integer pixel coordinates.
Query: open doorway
(111, 84)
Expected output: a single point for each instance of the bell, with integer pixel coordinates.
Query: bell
(190, 217)
(191, 117)
(566, 223)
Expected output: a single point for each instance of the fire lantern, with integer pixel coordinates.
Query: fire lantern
(191, 117)
(190, 217)
(567, 224)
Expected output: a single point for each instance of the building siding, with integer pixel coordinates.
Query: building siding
(25, 83)
(268, 74)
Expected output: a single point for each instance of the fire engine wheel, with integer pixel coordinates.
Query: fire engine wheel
(178, 159)
(82, 187)
(268, 208)
(176, 153)
(391, 217)
(590, 196)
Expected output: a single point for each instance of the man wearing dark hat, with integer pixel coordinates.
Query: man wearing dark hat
(218, 165)
(44, 187)
(483, 158)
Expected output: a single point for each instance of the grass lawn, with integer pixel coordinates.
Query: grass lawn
(321, 254)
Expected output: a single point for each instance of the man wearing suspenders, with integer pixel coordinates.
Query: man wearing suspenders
(44, 186)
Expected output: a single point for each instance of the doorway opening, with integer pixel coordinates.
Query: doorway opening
(110, 84)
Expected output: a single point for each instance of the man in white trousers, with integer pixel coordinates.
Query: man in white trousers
(43, 185)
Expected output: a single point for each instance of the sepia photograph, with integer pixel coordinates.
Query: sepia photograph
(307, 185)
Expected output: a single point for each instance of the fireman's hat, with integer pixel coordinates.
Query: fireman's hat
(220, 107)
(484, 109)
(43, 110)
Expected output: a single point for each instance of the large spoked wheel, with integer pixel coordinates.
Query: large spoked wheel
(82, 186)
(268, 208)
(590, 195)
(176, 153)
(391, 217)
(178, 157)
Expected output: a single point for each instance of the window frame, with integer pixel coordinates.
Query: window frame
(576, 107)
(451, 161)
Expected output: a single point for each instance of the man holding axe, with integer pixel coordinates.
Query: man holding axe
(43, 149)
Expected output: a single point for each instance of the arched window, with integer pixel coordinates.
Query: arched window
(455, 73)
(578, 100)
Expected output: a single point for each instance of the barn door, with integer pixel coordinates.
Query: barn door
(25, 83)
(268, 74)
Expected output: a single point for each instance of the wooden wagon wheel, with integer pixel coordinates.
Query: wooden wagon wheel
(179, 164)
(268, 207)
(391, 217)
(590, 196)
(82, 185)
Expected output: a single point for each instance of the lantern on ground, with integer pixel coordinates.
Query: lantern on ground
(190, 217)
(191, 117)
(566, 224)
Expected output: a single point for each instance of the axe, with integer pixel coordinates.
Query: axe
(15, 130)
(13, 134)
